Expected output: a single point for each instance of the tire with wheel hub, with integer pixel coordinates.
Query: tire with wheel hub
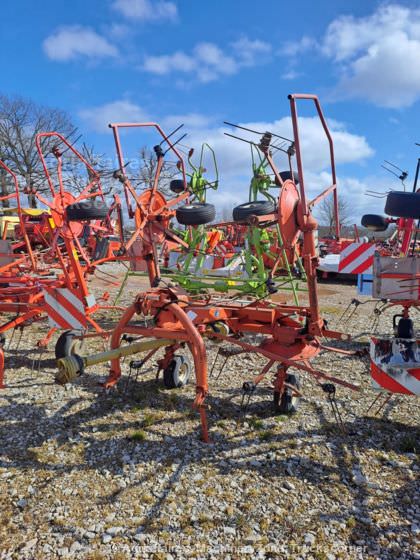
(177, 186)
(177, 374)
(67, 344)
(288, 403)
(374, 222)
(87, 210)
(244, 211)
(196, 214)
(403, 204)
(287, 176)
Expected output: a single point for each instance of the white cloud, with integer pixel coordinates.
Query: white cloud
(234, 157)
(293, 48)
(247, 50)
(291, 75)
(388, 74)
(169, 63)
(146, 10)
(348, 36)
(207, 61)
(98, 118)
(190, 120)
(75, 41)
(378, 55)
(348, 147)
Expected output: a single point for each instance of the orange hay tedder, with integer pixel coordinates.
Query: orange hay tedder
(45, 275)
(291, 335)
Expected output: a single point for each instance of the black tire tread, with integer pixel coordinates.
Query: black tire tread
(170, 377)
(196, 214)
(87, 210)
(403, 204)
(256, 208)
(285, 405)
(374, 222)
(177, 186)
(64, 344)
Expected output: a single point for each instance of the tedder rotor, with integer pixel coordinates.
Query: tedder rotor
(395, 359)
(289, 335)
(46, 276)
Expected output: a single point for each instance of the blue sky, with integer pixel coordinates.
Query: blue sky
(204, 62)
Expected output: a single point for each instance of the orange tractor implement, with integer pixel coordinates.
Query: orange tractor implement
(45, 273)
(291, 335)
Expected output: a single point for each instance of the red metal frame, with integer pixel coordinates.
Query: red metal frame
(293, 333)
(59, 267)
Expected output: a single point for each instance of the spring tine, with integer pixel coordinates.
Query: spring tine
(19, 339)
(33, 363)
(221, 369)
(336, 412)
(171, 134)
(351, 314)
(214, 362)
(385, 402)
(39, 360)
(11, 339)
(245, 403)
(374, 402)
(345, 311)
(127, 381)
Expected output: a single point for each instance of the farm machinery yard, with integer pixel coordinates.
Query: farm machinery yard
(127, 449)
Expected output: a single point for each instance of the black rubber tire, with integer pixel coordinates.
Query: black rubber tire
(287, 404)
(257, 208)
(374, 222)
(286, 176)
(67, 344)
(405, 328)
(177, 374)
(177, 186)
(403, 204)
(87, 210)
(196, 214)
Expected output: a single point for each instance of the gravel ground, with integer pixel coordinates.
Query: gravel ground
(94, 475)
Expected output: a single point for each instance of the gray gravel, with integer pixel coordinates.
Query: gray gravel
(93, 475)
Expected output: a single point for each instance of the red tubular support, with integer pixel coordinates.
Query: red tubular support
(2, 385)
(293, 97)
(198, 350)
(115, 372)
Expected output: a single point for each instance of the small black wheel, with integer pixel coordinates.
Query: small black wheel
(287, 176)
(403, 204)
(196, 214)
(87, 210)
(374, 222)
(67, 344)
(288, 403)
(178, 372)
(177, 186)
(257, 208)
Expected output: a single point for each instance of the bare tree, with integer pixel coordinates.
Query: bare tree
(225, 213)
(5, 186)
(76, 176)
(20, 121)
(326, 213)
(147, 171)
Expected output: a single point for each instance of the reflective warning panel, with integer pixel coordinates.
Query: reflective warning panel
(357, 258)
(64, 308)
